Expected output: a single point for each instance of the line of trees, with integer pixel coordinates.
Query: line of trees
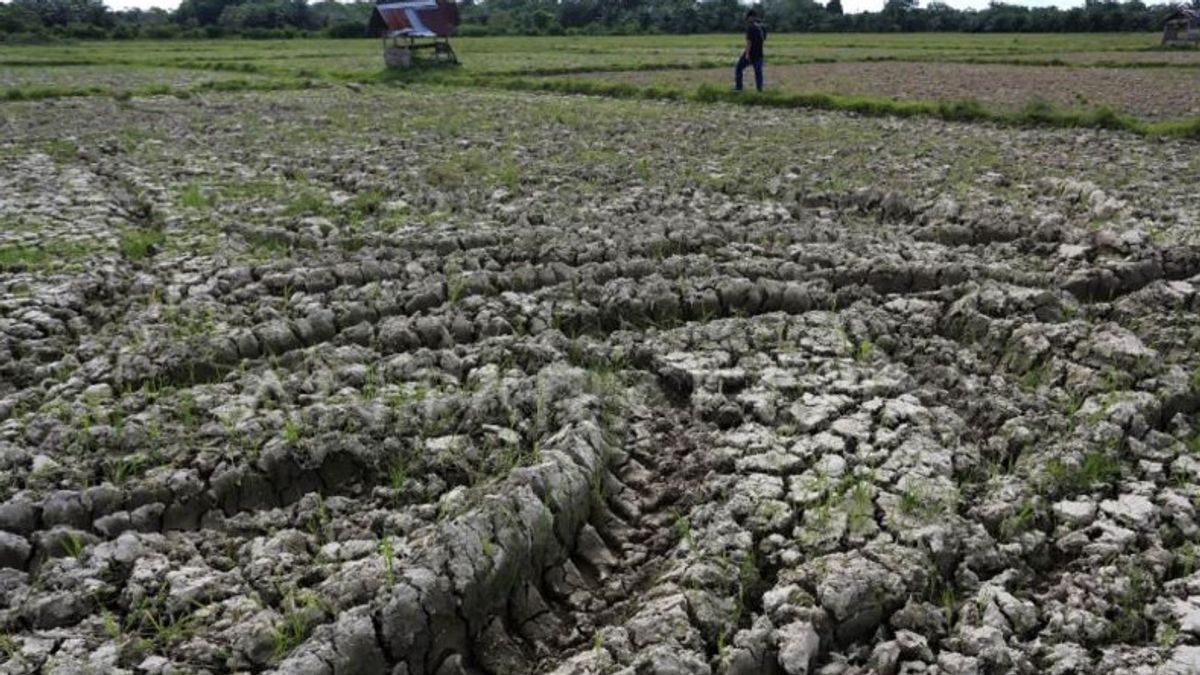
(45, 20)
(40, 20)
(537, 17)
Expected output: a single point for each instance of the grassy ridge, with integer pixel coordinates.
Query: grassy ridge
(1035, 114)
(38, 93)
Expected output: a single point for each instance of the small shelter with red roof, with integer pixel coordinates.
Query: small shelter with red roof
(1182, 27)
(409, 25)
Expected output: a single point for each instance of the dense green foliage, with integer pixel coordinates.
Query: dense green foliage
(40, 20)
(533, 17)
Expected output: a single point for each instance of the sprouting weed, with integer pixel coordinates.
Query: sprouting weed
(863, 352)
(73, 545)
(8, 646)
(291, 431)
(389, 560)
(397, 477)
(683, 531)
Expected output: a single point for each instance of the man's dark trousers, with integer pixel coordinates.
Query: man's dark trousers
(741, 65)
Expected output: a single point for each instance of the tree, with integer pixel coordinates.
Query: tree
(203, 12)
(63, 12)
(899, 7)
(834, 7)
(17, 19)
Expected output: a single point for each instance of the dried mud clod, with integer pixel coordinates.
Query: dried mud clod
(601, 388)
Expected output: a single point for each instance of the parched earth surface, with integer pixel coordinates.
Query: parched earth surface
(1176, 58)
(435, 381)
(1151, 93)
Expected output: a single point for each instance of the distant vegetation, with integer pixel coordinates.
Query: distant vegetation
(47, 20)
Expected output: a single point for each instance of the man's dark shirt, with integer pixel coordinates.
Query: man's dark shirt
(754, 34)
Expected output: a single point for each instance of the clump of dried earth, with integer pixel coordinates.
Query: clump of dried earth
(436, 381)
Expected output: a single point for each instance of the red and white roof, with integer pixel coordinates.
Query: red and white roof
(418, 18)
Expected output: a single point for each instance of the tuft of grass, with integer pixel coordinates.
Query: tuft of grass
(683, 531)
(309, 203)
(509, 175)
(186, 409)
(120, 470)
(141, 244)
(389, 560)
(291, 431)
(1018, 522)
(192, 197)
(862, 353)
(62, 150)
(1130, 623)
(1166, 636)
(74, 545)
(1097, 469)
(290, 632)
(397, 477)
(456, 287)
(8, 647)
(859, 506)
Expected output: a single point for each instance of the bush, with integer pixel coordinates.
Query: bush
(473, 30)
(124, 32)
(163, 32)
(347, 30)
(36, 37)
(86, 31)
(259, 34)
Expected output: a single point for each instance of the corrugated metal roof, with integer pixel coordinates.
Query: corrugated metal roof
(418, 18)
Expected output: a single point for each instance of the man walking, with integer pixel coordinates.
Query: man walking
(753, 56)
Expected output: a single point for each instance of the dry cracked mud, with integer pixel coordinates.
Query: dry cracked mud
(433, 381)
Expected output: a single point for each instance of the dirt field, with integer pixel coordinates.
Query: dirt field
(1176, 58)
(586, 386)
(393, 376)
(1152, 93)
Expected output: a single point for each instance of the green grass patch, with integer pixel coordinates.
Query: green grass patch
(38, 93)
(1096, 470)
(309, 203)
(46, 255)
(140, 244)
(1039, 114)
(192, 197)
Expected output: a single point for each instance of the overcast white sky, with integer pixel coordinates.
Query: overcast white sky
(849, 5)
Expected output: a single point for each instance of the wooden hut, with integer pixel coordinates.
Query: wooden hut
(1182, 28)
(411, 25)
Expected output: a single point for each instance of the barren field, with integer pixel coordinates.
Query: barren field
(1152, 93)
(1180, 58)
(436, 379)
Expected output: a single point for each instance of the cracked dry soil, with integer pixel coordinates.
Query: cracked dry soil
(420, 381)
